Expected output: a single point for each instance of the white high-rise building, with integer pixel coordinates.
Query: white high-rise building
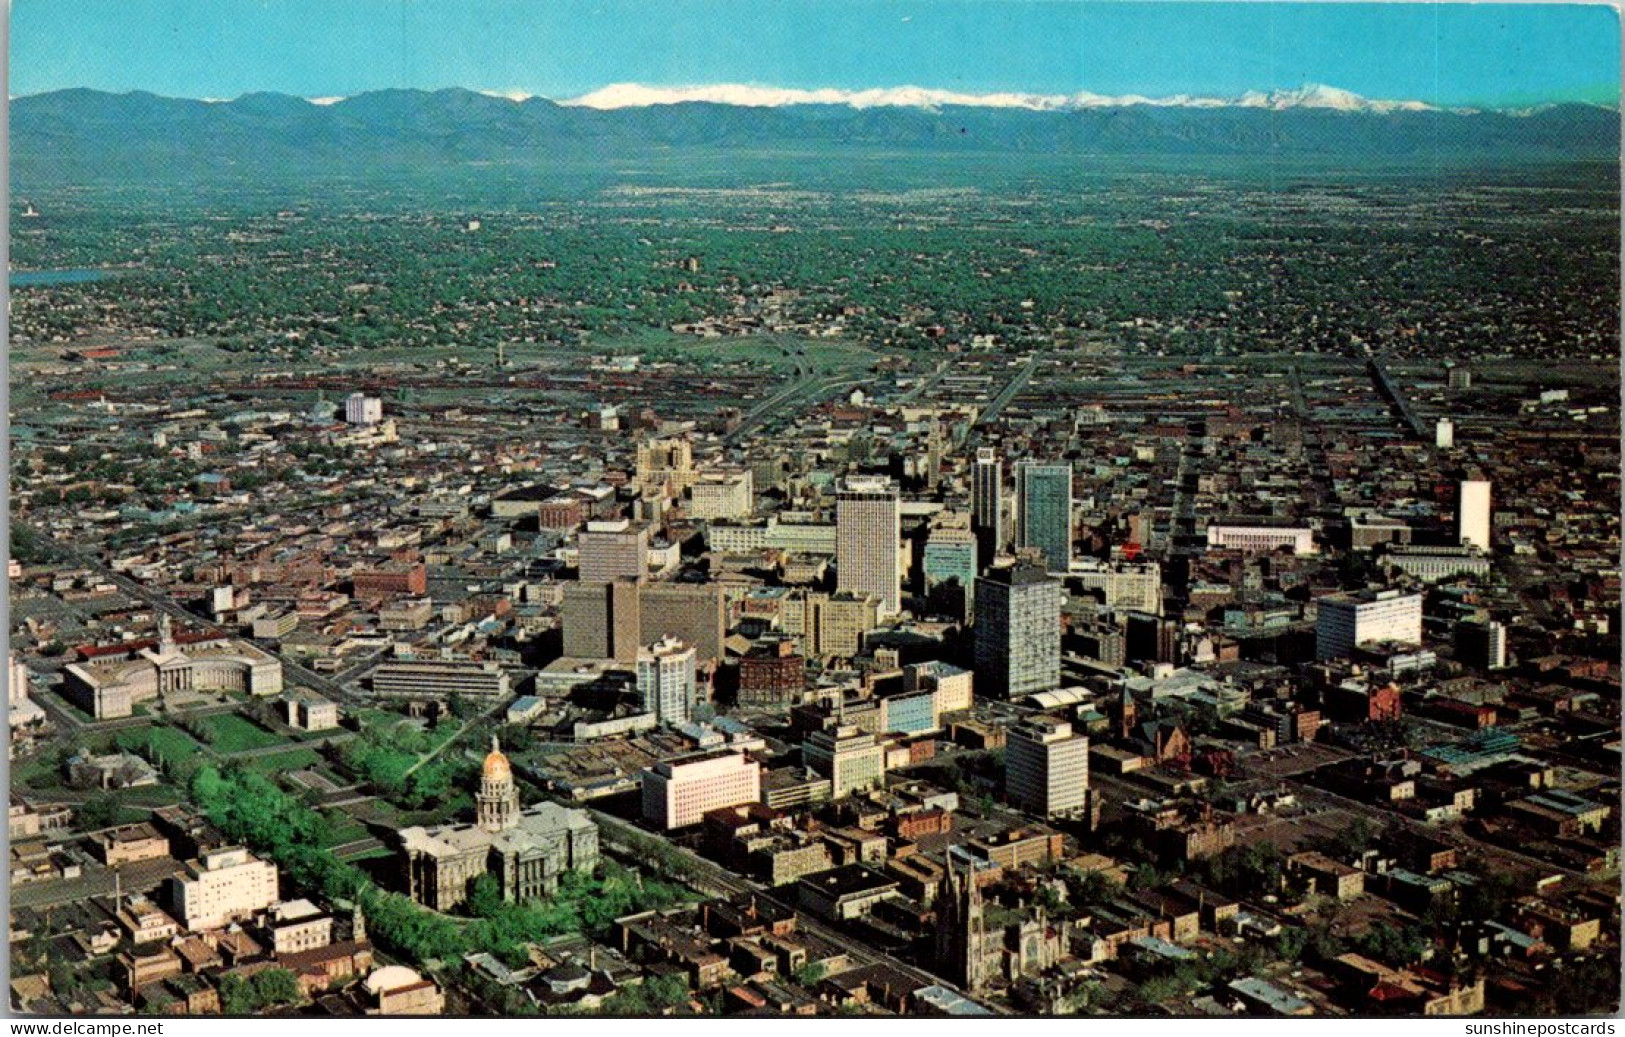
(1347, 620)
(361, 409)
(24, 711)
(678, 793)
(223, 887)
(867, 533)
(1123, 585)
(1046, 767)
(1444, 434)
(851, 758)
(16, 681)
(722, 495)
(1473, 514)
(1482, 643)
(667, 685)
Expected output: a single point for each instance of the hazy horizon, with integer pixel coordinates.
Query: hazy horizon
(1442, 55)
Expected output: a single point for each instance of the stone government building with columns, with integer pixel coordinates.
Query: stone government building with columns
(527, 850)
(112, 680)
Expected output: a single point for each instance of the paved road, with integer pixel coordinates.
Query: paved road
(288, 746)
(1009, 392)
(926, 384)
(96, 881)
(356, 848)
(806, 391)
(69, 718)
(804, 379)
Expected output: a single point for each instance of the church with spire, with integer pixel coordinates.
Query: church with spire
(527, 850)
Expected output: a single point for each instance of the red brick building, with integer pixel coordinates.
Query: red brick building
(390, 579)
(771, 674)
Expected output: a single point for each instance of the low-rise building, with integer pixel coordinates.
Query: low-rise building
(439, 679)
(844, 893)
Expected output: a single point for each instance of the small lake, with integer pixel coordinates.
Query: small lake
(27, 278)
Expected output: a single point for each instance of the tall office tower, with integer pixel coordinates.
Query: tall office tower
(612, 550)
(949, 568)
(1018, 631)
(1046, 768)
(1347, 620)
(1473, 514)
(1444, 434)
(987, 506)
(695, 612)
(361, 409)
(665, 468)
(604, 621)
(867, 532)
(834, 626)
(722, 494)
(1482, 643)
(1044, 511)
(666, 682)
(933, 459)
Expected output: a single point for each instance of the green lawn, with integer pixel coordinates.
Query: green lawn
(151, 796)
(374, 717)
(379, 811)
(458, 804)
(292, 760)
(170, 744)
(235, 734)
(345, 829)
(38, 773)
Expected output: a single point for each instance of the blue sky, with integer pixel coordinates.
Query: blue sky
(1448, 54)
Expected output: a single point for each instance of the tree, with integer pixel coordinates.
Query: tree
(276, 987)
(485, 897)
(1392, 945)
(64, 979)
(268, 988)
(1349, 841)
(98, 811)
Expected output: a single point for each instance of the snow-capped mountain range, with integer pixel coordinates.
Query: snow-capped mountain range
(78, 134)
(638, 95)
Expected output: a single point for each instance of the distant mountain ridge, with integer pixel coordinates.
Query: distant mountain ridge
(1310, 95)
(86, 135)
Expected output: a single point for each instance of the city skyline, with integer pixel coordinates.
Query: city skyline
(997, 510)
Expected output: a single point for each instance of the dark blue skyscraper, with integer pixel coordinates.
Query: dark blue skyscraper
(1044, 511)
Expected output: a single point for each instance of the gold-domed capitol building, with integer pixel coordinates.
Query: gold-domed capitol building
(526, 850)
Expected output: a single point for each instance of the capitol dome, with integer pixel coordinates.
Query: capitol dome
(497, 767)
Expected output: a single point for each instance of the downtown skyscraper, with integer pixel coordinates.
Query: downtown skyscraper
(987, 505)
(1018, 631)
(1044, 511)
(867, 533)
